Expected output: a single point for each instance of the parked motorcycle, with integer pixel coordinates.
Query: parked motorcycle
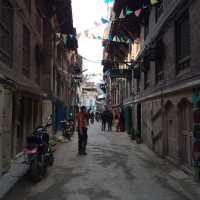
(38, 153)
(68, 128)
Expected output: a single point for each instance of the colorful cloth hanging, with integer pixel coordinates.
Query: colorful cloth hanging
(104, 21)
(138, 12)
(108, 1)
(153, 2)
(129, 12)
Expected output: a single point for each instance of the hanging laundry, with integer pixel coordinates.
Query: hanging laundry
(122, 40)
(122, 16)
(137, 12)
(108, 1)
(153, 2)
(99, 37)
(104, 21)
(65, 40)
(129, 12)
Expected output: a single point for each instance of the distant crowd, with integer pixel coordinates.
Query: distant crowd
(110, 118)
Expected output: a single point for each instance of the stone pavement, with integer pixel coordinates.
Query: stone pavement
(115, 169)
(17, 170)
(8, 180)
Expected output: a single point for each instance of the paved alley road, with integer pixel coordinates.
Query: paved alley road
(115, 169)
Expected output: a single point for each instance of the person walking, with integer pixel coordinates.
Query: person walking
(117, 120)
(82, 131)
(103, 121)
(110, 120)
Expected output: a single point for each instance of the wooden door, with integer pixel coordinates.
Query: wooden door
(185, 127)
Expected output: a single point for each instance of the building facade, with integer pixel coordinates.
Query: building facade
(165, 77)
(29, 68)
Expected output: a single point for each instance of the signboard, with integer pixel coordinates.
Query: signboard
(77, 76)
(120, 73)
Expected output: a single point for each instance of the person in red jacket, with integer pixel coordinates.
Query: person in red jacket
(82, 131)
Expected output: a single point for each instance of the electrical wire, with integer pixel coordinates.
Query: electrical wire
(93, 61)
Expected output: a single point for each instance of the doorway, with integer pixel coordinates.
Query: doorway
(185, 127)
(170, 130)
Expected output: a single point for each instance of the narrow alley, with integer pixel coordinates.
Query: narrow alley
(116, 168)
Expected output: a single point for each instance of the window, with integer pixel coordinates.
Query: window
(6, 23)
(159, 71)
(146, 25)
(28, 5)
(26, 52)
(146, 74)
(159, 10)
(39, 22)
(183, 42)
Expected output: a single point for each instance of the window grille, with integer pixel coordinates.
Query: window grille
(183, 42)
(6, 29)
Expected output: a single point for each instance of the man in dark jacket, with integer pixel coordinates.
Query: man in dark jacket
(110, 120)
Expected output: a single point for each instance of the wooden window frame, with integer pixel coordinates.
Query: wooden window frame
(26, 51)
(182, 61)
(158, 11)
(159, 71)
(6, 27)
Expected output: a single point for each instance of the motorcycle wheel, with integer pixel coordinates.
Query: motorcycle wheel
(37, 170)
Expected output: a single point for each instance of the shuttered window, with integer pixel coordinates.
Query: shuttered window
(146, 24)
(6, 28)
(146, 74)
(183, 42)
(26, 52)
(159, 63)
(28, 5)
(159, 10)
(159, 71)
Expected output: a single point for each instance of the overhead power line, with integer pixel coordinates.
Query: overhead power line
(93, 61)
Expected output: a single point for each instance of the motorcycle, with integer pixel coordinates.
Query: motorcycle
(68, 128)
(38, 153)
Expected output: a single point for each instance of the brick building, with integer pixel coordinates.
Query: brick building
(32, 63)
(165, 76)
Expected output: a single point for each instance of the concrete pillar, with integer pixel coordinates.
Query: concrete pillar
(1, 130)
